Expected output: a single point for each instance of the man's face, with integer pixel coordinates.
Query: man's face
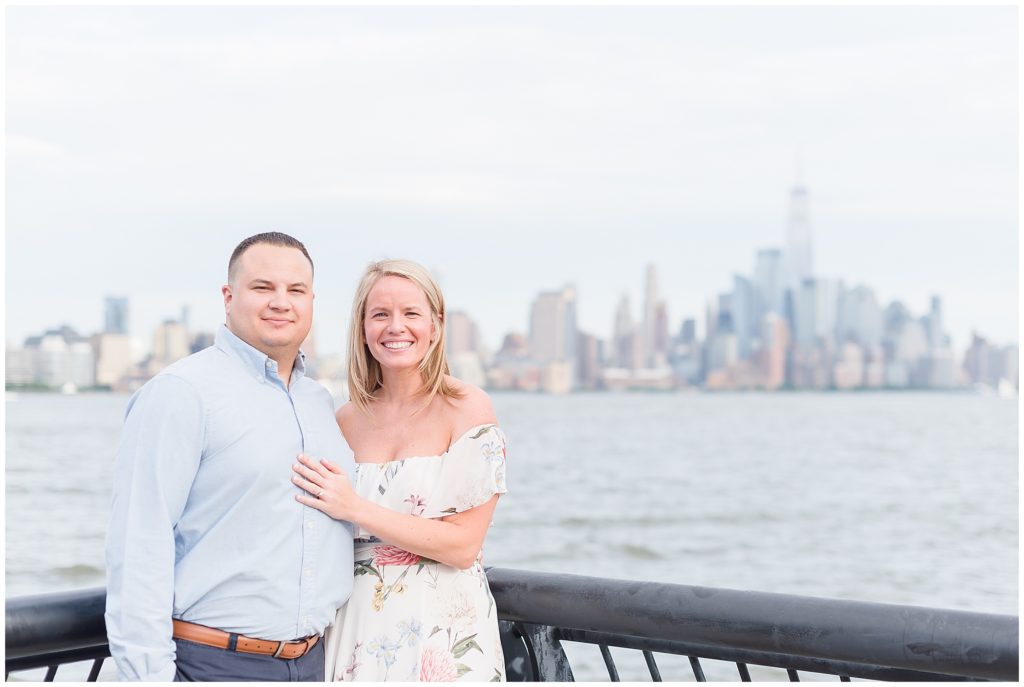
(269, 302)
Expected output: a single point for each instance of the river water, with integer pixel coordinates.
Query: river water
(899, 497)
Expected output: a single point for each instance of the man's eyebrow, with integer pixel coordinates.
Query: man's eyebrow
(267, 282)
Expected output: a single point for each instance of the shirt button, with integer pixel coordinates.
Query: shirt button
(309, 525)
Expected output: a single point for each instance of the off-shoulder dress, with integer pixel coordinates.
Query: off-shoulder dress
(410, 618)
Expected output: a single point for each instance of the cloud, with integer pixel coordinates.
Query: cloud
(28, 146)
(416, 190)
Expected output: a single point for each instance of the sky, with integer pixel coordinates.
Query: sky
(510, 150)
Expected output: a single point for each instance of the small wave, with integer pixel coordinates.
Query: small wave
(38, 580)
(640, 521)
(77, 571)
(641, 552)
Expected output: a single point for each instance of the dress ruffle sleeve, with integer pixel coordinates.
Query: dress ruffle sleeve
(470, 473)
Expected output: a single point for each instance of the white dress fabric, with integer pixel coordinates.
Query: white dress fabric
(410, 618)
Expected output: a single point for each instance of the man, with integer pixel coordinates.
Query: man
(205, 529)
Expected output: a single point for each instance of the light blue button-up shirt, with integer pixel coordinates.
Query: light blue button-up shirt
(205, 526)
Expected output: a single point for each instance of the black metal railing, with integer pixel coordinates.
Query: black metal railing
(539, 612)
(795, 633)
(51, 630)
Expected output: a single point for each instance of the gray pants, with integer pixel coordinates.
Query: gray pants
(201, 663)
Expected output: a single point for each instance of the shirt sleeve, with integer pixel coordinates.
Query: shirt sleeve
(157, 459)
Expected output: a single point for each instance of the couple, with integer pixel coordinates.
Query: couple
(236, 499)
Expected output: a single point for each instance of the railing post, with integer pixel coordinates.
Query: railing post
(548, 659)
(518, 664)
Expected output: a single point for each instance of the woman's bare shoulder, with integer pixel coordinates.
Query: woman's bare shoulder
(473, 407)
(349, 418)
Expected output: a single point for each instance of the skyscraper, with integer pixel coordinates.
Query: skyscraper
(622, 333)
(113, 358)
(553, 335)
(743, 322)
(860, 318)
(115, 319)
(661, 337)
(688, 332)
(170, 343)
(772, 356)
(553, 326)
(769, 283)
(627, 349)
(588, 361)
(799, 249)
(655, 331)
(936, 337)
(816, 310)
(461, 335)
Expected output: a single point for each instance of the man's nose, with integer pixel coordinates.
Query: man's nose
(280, 301)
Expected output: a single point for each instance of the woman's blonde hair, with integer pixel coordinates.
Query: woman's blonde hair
(364, 373)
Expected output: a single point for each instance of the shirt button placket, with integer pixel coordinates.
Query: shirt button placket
(310, 542)
(309, 587)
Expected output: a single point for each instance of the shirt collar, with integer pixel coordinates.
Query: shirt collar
(254, 359)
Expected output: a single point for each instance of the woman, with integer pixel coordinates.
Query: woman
(430, 465)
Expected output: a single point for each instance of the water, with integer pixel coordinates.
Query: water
(904, 498)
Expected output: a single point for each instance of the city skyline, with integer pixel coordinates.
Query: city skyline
(116, 315)
(637, 305)
(509, 150)
(814, 333)
(794, 257)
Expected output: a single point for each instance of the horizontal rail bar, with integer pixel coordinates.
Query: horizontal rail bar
(51, 623)
(962, 643)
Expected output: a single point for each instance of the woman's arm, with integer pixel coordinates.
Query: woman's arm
(454, 540)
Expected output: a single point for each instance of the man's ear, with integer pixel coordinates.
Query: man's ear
(226, 292)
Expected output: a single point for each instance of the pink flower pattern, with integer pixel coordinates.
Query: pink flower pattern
(386, 554)
(437, 665)
(417, 504)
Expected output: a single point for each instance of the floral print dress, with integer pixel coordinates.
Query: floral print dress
(411, 618)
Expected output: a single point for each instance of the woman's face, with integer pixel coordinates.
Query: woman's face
(398, 325)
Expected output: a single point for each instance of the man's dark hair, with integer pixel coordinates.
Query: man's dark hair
(273, 238)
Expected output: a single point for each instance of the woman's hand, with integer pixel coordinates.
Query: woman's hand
(329, 489)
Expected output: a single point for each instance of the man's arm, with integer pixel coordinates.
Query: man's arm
(157, 459)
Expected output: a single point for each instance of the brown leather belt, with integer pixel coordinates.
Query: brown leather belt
(247, 645)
